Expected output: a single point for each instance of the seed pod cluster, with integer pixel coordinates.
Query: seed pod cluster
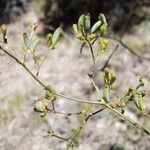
(84, 31)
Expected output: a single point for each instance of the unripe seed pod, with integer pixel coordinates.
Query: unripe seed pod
(139, 102)
(81, 22)
(102, 18)
(39, 107)
(96, 26)
(75, 28)
(87, 22)
(56, 35)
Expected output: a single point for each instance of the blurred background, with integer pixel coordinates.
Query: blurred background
(65, 69)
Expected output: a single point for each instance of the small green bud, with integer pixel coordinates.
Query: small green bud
(39, 107)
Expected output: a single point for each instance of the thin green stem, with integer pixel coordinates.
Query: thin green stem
(78, 100)
(43, 85)
(127, 119)
(92, 52)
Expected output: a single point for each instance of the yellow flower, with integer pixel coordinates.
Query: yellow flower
(103, 44)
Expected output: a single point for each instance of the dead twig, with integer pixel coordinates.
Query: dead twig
(107, 61)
